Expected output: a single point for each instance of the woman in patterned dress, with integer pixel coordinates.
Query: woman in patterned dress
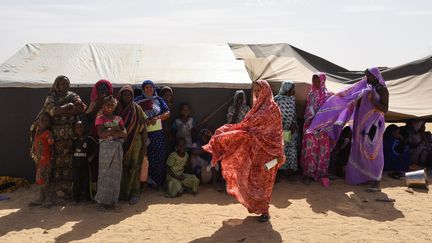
(156, 111)
(315, 154)
(286, 101)
(245, 148)
(63, 106)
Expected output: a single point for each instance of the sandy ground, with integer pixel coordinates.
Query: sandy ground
(340, 213)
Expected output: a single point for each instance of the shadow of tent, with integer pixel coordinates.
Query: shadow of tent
(350, 201)
(29, 218)
(82, 216)
(243, 230)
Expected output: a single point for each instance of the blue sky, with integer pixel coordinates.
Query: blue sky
(353, 34)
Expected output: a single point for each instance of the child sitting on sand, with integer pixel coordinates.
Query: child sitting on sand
(176, 178)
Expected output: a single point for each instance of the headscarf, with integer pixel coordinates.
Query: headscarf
(263, 122)
(321, 93)
(152, 105)
(95, 95)
(243, 110)
(133, 117)
(165, 89)
(245, 147)
(339, 109)
(377, 73)
(286, 104)
(316, 98)
(54, 99)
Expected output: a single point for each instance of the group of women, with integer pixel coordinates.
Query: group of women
(269, 133)
(142, 116)
(266, 132)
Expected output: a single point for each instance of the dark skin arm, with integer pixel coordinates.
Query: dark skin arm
(144, 139)
(163, 117)
(96, 108)
(64, 109)
(172, 174)
(119, 131)
(382, 104)
(70, 108)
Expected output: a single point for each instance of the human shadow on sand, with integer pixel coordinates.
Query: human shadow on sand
(243, 230)
(345, 200)
(82, 216)
(340, 198)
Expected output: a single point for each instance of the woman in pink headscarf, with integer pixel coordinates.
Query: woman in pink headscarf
(102, 88)
(365, 103)
(315, 153)
(245, 147)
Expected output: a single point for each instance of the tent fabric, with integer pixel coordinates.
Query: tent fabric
(196, 65)
(409, 85)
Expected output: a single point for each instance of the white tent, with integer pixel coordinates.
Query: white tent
(195, 66)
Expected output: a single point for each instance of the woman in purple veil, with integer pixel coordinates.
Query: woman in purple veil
(364, 104)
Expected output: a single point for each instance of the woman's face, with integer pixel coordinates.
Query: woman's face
(126, 97)
(256, 89)
(148, 90)
(103, 91)
(371, 79)
(240, 99)
(290, 92)
(316, 82)
(167, 96)
(63, 86)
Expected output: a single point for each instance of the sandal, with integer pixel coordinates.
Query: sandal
(373, 189)
(134, 200)
(264, 218)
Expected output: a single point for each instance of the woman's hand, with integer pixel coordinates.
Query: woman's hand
(151, 121)
(280, 160)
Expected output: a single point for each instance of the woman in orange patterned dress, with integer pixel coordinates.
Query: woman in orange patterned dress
(41, 152)
(245, 148)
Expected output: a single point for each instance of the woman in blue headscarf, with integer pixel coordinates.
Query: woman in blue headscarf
(156, 111)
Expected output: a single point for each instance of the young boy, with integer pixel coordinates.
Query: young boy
(176, 178)
(84, 150)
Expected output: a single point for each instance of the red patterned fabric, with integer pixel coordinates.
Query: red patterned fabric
(94, 93)
(245, 147)
(42, 149)
(315, 153)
